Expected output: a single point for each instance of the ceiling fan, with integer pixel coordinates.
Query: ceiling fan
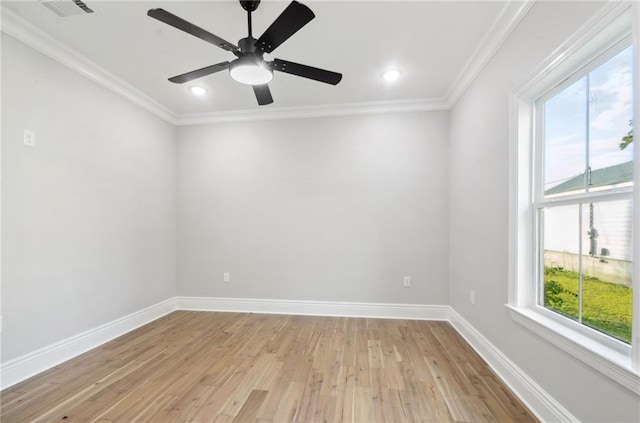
(249, 67)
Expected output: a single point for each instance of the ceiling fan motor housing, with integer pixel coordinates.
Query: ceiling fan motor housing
(247, 46)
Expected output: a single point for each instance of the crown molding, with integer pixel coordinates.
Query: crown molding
(39, 40)
(348, 109)
(603, 18)
(508, 19)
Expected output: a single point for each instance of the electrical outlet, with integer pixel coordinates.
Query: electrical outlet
(29, 138)
(227, 277)
(407, 281)
(472, 297)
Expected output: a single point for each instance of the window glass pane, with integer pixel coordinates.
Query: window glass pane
(561, 245)
(610, 114)
(586, 247)
(565, 122)
(606, 267)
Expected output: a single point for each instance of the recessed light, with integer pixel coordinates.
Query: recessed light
(197, 90)
(391, 75)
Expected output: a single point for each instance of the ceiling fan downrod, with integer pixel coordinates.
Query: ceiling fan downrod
(249, 6)
(247, 44)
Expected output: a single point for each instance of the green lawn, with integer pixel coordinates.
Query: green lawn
(605, 306)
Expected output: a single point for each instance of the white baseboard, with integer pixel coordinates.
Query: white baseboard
(316, 308)
(543, 405)
(23, 367)
(532, 395)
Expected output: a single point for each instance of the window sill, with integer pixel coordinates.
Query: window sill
(603, 358)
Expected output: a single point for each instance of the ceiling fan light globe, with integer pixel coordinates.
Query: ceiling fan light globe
(249, 72)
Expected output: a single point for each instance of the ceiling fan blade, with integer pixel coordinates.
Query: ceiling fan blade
(294, 17)
(190, 76)
(305, 71)
(263, 94)
(177, 22)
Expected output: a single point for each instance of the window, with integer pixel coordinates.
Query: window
(583, 195)
(574, 166)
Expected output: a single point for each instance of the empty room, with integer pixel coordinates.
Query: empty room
(320, 211)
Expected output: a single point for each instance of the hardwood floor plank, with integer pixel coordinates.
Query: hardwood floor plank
(308, 409)
(272, 401)
(458, 410)
(479, 410)
(289, 404)
(58, 411)
(363, 406)
(148, 413)
(241, 367)
(251, 406)
(249, 383)
(221, 418)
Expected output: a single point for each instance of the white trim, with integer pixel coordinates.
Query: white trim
(508, 19)
(520, 256)
(606, 15)
(610, 23)
(316, 308)
(635, 312)
(543, 405)
(23, 367)
(349, 109)
(529, 392)
(610, 362)
(39, 40)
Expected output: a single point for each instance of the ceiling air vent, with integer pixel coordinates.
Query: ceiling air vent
(65, 8)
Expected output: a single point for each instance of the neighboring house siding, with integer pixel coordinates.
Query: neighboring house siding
(612, 220)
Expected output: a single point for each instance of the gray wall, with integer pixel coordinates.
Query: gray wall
(479, 240)
(335, 209)
(88, 215)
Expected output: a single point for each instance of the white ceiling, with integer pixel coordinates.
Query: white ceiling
(429, 41)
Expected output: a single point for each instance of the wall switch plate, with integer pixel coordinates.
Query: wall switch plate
(407, 281)
(227, 277)
(29, 138)
(472, 297)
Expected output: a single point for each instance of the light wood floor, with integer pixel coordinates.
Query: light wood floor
(233, 367)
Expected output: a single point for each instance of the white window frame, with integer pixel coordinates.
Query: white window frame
(614, 25)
